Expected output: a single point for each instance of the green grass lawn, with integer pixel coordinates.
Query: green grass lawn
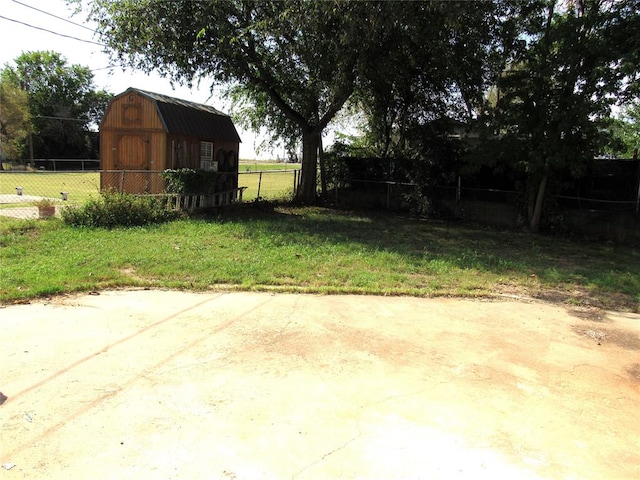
(270, 185)
(275, 183)
(80, 185)
(315, 250)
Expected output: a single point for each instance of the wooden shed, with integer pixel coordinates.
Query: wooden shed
(143, 133)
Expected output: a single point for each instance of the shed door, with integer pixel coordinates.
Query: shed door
(132, 152)
(133, 160)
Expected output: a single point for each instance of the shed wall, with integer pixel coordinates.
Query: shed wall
(134, 142)
(132, 138)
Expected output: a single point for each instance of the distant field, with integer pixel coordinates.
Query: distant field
(261, 166)
(270, 185)
(79, 185)
(275, 182)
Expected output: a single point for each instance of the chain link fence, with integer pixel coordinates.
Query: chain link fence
(21, 191)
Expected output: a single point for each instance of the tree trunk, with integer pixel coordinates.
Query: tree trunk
(534, 222)
(307, 191)
(531, 199)
(323, 169)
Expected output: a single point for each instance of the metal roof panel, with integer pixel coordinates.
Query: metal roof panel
(190, 118)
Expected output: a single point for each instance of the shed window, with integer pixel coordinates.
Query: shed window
(206, 155)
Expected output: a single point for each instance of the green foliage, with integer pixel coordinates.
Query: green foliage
(188, 180)
(64, 104)
(114, 209)
(432, 159)
(627, 130)
(292, 65)
(15, 119)
(550, 111)
(432, 60)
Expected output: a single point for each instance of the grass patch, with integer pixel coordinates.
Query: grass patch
(262, 166)
(275, 183)
(314, 250)
(81, 186)
(268, 185)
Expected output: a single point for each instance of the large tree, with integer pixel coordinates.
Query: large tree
(552, 111)
(295, 62)
(64, 103)
(15, 120)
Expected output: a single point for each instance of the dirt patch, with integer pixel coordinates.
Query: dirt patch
(131, 273)
(591, 314)
(586, 303)
(626, 339)
(634, 372)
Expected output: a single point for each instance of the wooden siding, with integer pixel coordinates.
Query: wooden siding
(226, 155)
(182, 152)
(133, 138)
(132, 111)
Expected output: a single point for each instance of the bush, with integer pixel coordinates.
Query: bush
(187, 180)
(118, 210)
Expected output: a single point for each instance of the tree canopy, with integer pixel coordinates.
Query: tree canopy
(439, 58)
(556, 68)
(552, 108)
(15, 120)
(63, 103)
(627, 130)
(293, 64)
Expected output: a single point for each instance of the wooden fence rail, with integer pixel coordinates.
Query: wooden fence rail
(195, 201)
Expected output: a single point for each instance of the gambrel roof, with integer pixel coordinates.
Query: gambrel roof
(189, 118)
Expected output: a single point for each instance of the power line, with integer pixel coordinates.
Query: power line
(54, 16)
(83, 120)
(52, 32)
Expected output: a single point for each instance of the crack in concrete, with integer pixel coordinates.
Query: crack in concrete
(396, 396)
(328, 454)
(145, 373)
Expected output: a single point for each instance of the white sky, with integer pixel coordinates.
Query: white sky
(16, 38)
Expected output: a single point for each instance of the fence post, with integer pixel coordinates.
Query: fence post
(259, 185)
(635, 157)
(295, 182)
(638, 197)
(388, 195)
(459, 188)
(122, 182)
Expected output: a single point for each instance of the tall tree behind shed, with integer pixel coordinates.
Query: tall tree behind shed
(64, 104)
(15, 120)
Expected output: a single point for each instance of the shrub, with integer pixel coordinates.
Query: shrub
(187, 180)
(114, 209)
